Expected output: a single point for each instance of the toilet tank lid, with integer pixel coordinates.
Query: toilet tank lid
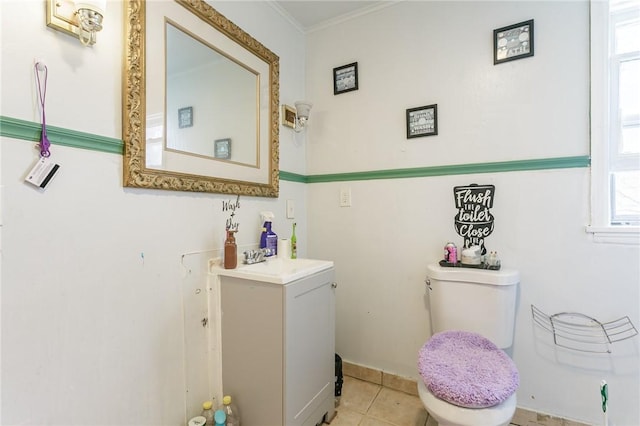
(473, 275)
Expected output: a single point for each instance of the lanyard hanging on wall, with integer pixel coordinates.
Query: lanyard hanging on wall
(42, 94)
(45, 169)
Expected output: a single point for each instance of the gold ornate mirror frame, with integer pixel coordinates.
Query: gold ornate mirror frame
(136, 173)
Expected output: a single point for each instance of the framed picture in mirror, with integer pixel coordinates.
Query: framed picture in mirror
(222, 148)
(185, 117)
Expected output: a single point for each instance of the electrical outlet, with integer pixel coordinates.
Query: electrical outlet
(291, 206)
(345, 197)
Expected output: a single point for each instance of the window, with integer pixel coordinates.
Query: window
(624, 132)
(615, 115)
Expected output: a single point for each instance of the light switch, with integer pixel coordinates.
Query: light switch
(345, 197)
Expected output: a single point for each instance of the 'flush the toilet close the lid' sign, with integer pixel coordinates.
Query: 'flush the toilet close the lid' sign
(474, 221)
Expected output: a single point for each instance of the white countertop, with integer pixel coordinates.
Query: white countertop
(277, 271)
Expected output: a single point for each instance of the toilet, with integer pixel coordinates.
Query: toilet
(467, 378)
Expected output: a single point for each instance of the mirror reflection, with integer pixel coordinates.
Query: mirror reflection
(212, 101)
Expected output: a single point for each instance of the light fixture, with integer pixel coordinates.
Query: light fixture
(79, 18)
(302, 114)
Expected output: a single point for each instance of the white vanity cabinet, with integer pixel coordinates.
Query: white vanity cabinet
(278, 342)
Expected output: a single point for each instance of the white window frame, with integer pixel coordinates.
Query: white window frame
(601, 228)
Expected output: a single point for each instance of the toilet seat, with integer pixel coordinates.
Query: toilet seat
(445, 413)
(467, 370)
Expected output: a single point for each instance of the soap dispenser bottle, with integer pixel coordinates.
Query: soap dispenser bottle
(263, 236)
(230, 251)
(271, 241)
(268, 238)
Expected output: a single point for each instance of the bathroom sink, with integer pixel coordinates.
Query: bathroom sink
(277, 271)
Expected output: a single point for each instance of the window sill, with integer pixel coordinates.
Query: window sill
(615, 235)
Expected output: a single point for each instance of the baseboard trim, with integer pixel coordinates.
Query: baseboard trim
(379, 377)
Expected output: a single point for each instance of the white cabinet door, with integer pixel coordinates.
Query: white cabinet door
(252, 349)
(310, 348)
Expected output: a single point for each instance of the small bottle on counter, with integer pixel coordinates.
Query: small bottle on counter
(451, 253)
(207, 413)
(220, 418)
(271, 240)
(231, 411)
(230, 251)
(197, 421)
(493, 260)
(294, 243)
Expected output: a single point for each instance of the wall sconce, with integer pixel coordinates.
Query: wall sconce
(297, 117)
(79, 18)
(302, 115)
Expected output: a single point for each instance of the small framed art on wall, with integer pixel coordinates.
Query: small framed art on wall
(422, 121)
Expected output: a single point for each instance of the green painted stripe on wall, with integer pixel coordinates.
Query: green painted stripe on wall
(457, 169)
(30, 131)
(293, 177)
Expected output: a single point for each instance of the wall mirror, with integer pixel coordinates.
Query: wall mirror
(200, 102)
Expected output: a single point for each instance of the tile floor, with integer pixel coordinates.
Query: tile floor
(368, 404)
(365, 403)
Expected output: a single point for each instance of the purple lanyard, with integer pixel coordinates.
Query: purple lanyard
(44, 141)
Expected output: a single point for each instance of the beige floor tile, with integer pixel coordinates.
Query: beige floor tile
(398, 408)
(357, 395)
(372, 421)
(523, 417)
(346, 417)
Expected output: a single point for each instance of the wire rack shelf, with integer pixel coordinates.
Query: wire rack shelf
(573, 330)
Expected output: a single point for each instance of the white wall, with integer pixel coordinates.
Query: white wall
(92, 332)
(419, 53)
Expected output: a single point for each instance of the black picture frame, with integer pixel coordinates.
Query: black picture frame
(513, 42)
(422, 121)
(185, 117)
(222, 148)
(345, 78)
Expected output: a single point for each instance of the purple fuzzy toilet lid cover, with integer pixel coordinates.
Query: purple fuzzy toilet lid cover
(467, 369)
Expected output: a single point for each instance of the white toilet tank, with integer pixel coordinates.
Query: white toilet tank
(477, 300)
